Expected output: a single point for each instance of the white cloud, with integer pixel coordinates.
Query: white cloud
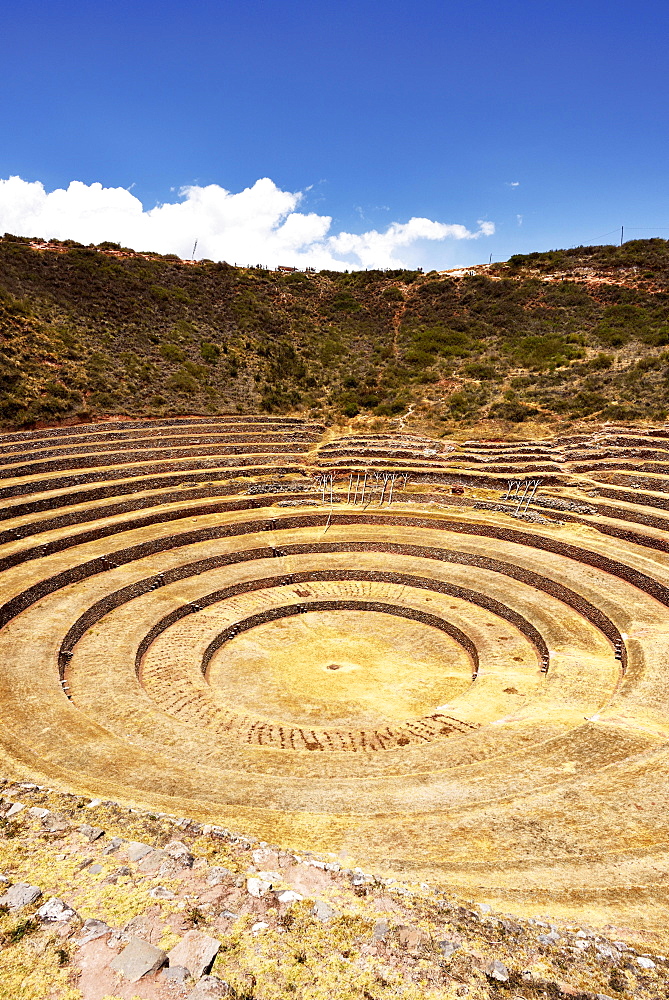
(513, 184)
(259, 225)
(519, 220)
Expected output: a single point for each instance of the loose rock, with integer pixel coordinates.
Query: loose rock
(92, 930)
(495, 969)
(257, 887)
(19, 895)
(160, 892)
(138, 959)
(37, 812)
(55, 910)
(216, 875)
(195, 952)
(176, 974)
(548, 939)
(91, 833)
(135, 851)
(410, 937)
(322, 911)
(448, 946)
(380, 930)
(209, 988)
(151, 862)
(55, 823)
(288, 896)
(113, 845)
(607, 951)
(178, 851)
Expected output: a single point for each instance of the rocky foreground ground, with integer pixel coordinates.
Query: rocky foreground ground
(102, 902)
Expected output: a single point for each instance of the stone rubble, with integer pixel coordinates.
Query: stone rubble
(92, 833)
(273, 885)
(210, 988)
(138, 959)
(55, 910)
(196, 952)
(20, 895)
(92, 930)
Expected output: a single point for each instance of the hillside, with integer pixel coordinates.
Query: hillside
(550, 338)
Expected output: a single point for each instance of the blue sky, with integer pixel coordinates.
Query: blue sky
(546, 119)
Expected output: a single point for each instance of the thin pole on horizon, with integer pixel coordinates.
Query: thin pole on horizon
(622, 231)
(194, 249)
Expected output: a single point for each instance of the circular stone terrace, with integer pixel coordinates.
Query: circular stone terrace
(445, 661)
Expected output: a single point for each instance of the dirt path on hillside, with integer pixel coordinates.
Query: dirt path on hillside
(397, 322)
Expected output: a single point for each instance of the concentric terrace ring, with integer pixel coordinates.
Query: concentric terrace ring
(192, 622)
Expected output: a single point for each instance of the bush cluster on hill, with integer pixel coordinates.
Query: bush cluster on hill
(568, 333)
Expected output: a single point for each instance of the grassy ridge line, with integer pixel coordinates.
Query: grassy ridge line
(561, 336)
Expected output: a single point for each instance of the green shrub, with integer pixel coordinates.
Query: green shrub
(103, 401)
(209, 352)
(330, 349)
(181, 332)
(658, 337)
(12, 408)
(618, 411)
(478, 370)
(611, 336)
(444, 342)
(418, 358)
(544, 351)
(197, 371)
(601, 361)
(98, 362)
(585, 403)
(513, 411)
(465, 403)
(10, 375)
(172, 353)
(181, 382)
(169, 294)
(344, 302)
(390, 409)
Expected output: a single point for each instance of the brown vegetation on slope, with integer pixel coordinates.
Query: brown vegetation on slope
(554, 337)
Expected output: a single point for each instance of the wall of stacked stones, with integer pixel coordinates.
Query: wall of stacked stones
(342, 604)
(139, 588)
(123, 425)
(130, 457)
(138, 475)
